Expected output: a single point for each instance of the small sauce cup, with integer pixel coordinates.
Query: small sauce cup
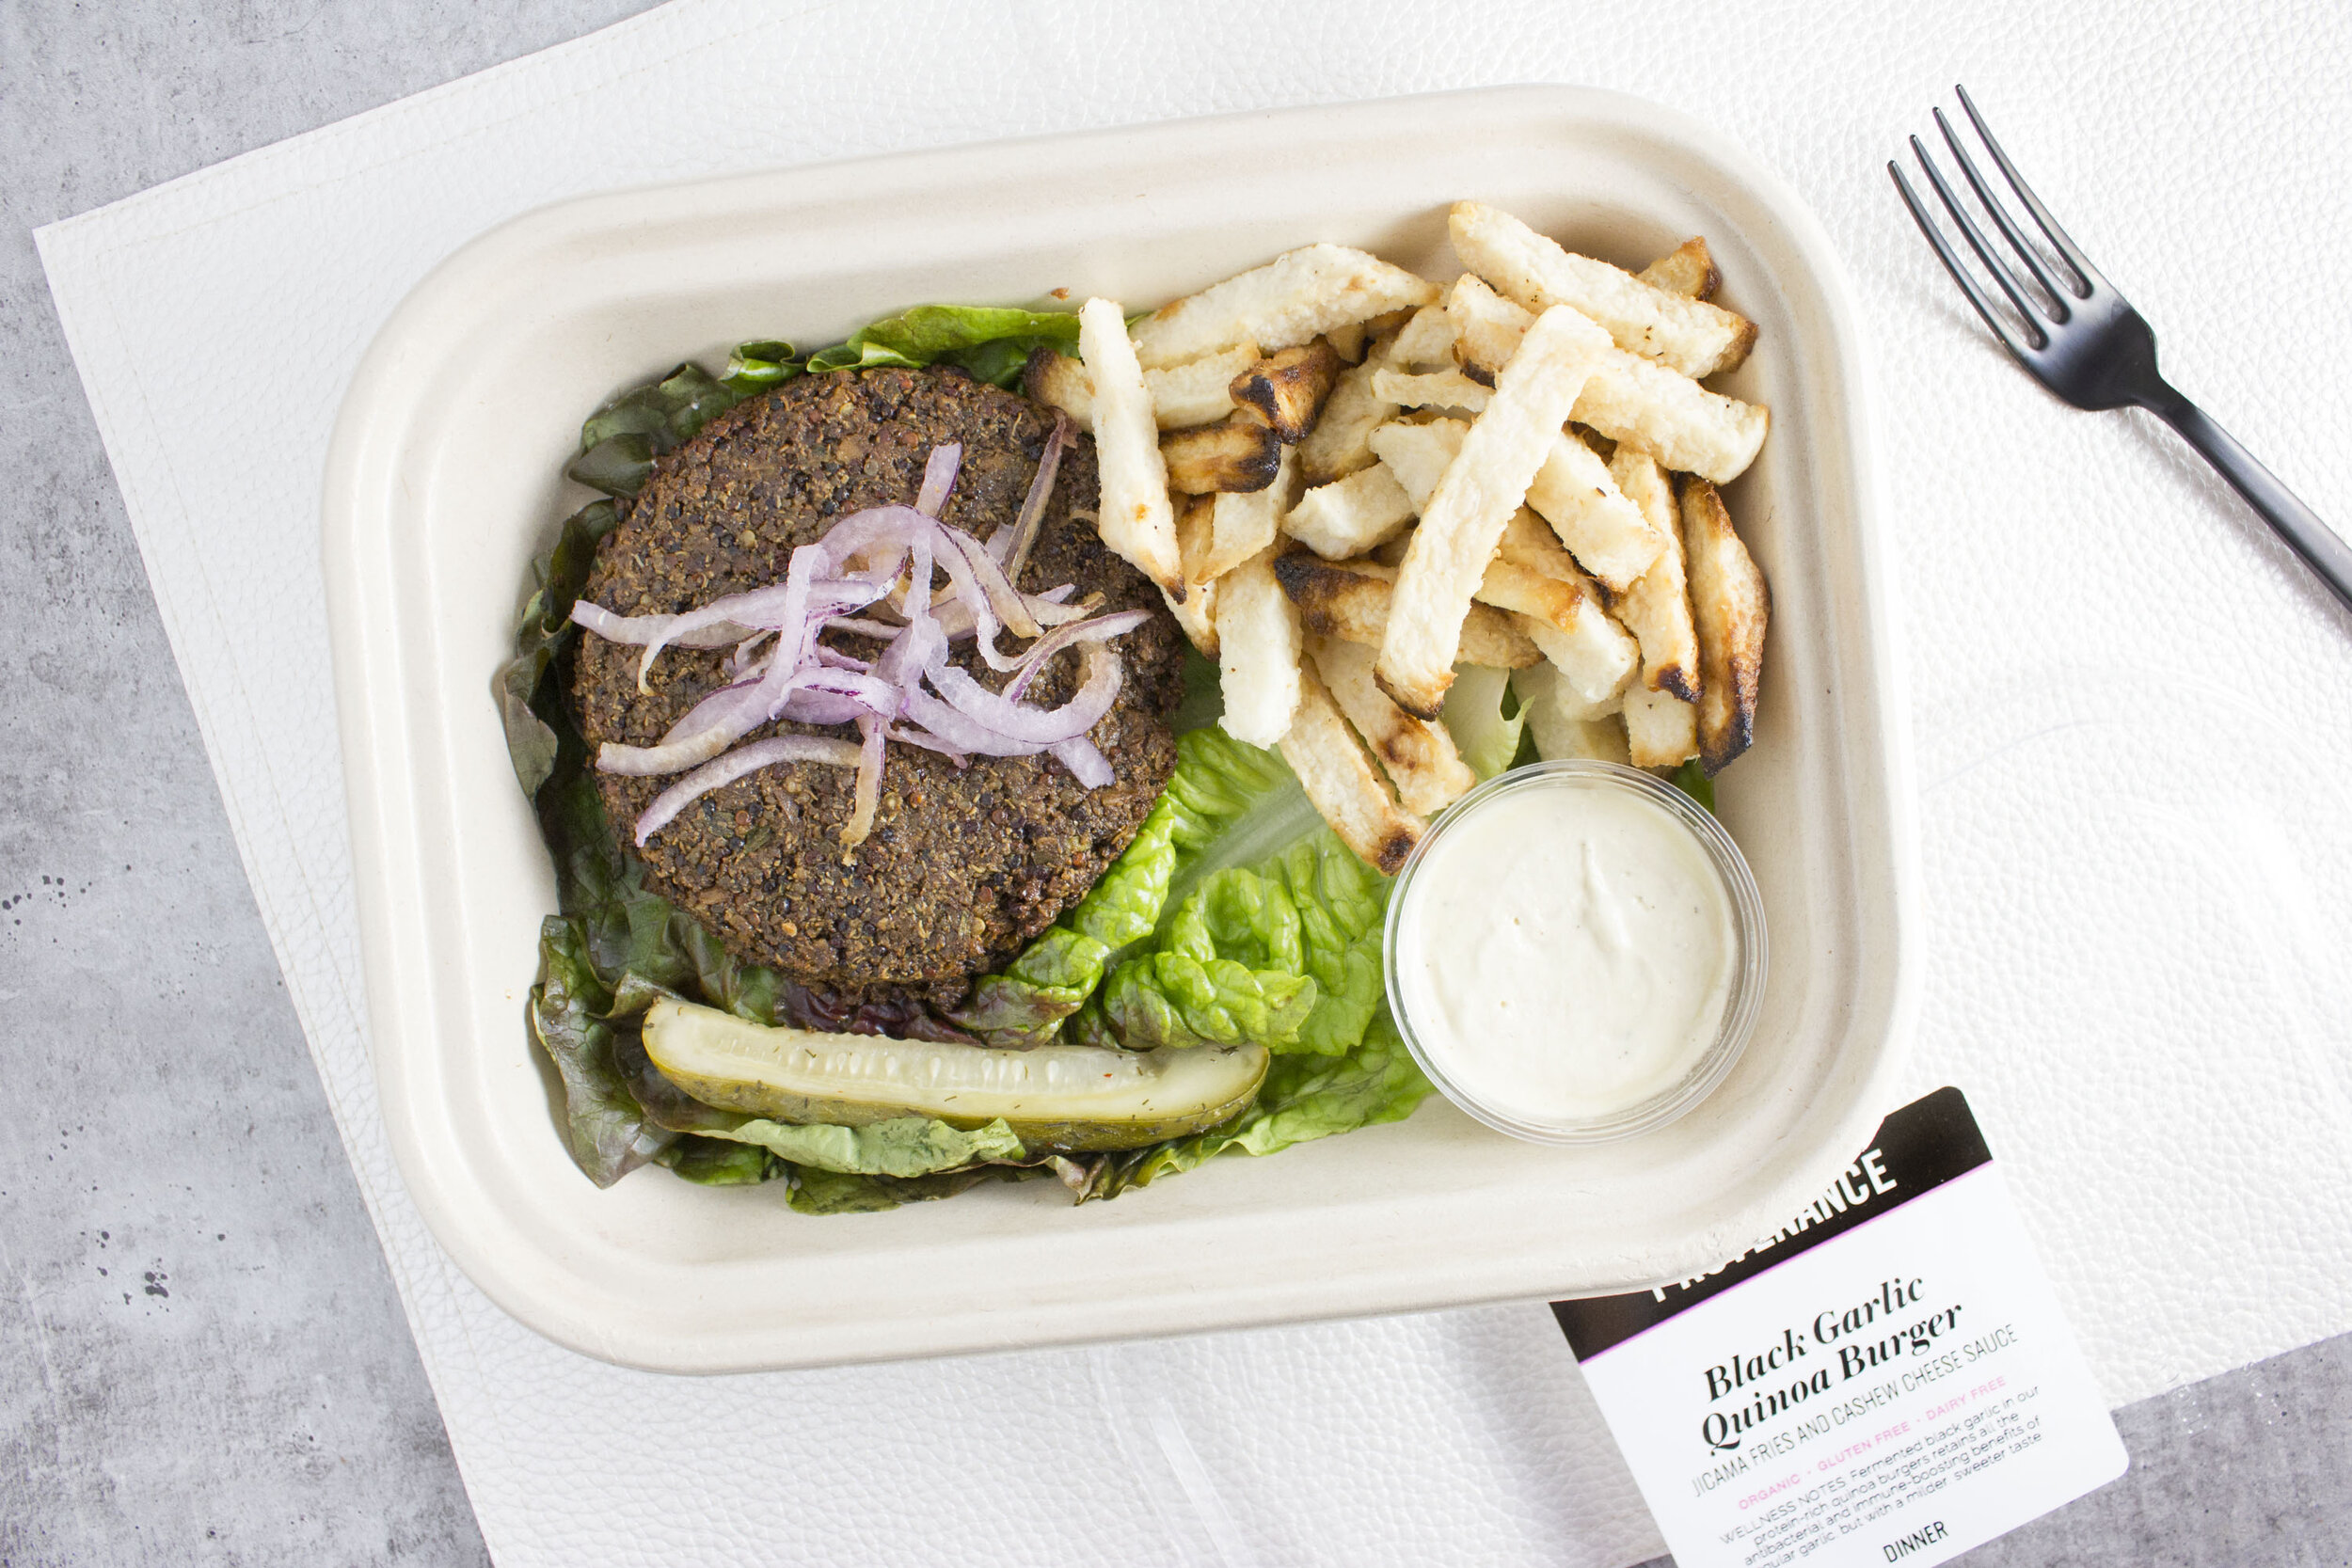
(1708, 1063)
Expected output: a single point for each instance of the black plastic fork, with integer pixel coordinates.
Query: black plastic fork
(2086, 344)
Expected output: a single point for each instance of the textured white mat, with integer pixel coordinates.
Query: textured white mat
(2133, 726)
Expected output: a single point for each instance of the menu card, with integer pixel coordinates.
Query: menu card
(1885, 1379)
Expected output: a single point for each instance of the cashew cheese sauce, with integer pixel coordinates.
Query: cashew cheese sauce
(1566, 952)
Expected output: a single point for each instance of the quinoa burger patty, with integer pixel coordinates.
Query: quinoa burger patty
(963, 865)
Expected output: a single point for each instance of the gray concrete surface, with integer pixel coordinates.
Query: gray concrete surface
(201, 1360)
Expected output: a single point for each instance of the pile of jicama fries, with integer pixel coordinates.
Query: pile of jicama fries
(1349, 481)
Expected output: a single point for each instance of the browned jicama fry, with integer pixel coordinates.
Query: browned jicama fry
(1731, 606)
(1237, 453)
(1244, 522)
(1425, 341)
(1566, 621)
(1195, 523)
(1194, 518)
(1657, 609)
(1287, 389)
(1526, 542)
(1661, 729)
(1688, 270)
(1338, 778)
(1486, 326)
(1559, 607)
(1292, 299)
(1419, 756)
(1136, 521)
(1352, 602)
(1607, 534)
(1672, 418)
(1563, 724)
(1482, 488)
(1418, 453)
(1199, 391)
(1059, 381)
(1335, 447)
(1430, 389)
(1350, 515)
(1259, 643)
(1184, 395)
(1678, 332)
(1196, 615)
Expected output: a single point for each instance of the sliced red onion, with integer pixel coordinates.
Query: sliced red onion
(1085, 764)
(746, 759)
(1045, 647)
(910, 692)
(912, 735)
(959, 730)
(1010, 545)
(880, 631)
(638, 629)
(867, 795)
(1036, 726)
(748, 654)
(939, 477)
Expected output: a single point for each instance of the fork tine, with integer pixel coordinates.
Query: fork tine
(2010, 232)
(2092, 277)
(1953, 264)
(1976, 242)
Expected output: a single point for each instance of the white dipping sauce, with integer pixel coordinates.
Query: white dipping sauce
(1566, 951)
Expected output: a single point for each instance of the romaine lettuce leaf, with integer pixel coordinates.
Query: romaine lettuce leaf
(1304, 1097)
(1484, 718)
(1342, 903)
(1025, 1004)
(900, 1147)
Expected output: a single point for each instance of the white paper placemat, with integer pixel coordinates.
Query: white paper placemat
(2132, 724)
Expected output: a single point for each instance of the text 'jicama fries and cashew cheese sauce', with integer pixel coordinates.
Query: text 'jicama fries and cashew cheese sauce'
(1575, 953)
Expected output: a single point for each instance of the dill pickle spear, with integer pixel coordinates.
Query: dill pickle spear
(1055, 1098)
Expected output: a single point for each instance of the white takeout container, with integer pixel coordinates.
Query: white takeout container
(445, 478)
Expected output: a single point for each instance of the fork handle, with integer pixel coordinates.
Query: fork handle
(2321, 548)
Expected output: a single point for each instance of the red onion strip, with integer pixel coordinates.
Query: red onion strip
(1085, 764)
(1011, 546)
(939, 477)
(746, 759)
(1080, 631)
(890, 554)
(1034, 726)
(868, 793)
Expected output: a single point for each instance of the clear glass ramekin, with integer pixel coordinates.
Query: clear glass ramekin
(1749, 956)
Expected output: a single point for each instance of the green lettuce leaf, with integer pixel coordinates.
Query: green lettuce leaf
(1025, 1004)
(604, 1125)
(992, 342)
(715, 1162)
(900, 1147)
(1304, 1097)
(620, 440)
(540, 633)
(757, 366)
(1692, 781)
(824, 1192)
(1341, 904)
(1484, 718)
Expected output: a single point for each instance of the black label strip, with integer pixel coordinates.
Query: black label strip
(1917, 1149)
